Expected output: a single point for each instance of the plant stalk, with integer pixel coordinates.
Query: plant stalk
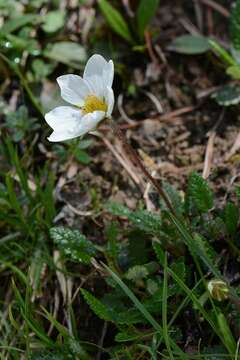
(135, 159)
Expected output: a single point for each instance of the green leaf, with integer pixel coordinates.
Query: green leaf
(196, 302)
(174, 197)
(146, 221)
(198, 191)
(222, 53)
(73, 244)
(127, 336)
(111, 233)
(82, 156)
(179, 268)
(145, 12)
(84, 144)
(159, 252)
(51, 355)
(142, 309)
(193, 245)
(236, 55)
(17, 22)
(142, 219)
(137, 252)
(237, 190)
(204, 246)
(137, 272)
(53, 21)
(165, 308)
(68, 53)
(189, 45)
(118, 209)
(41, 68)
(235, 25)
(96, 306)
(228, 95)
(115, 20)
(234, 71)
(231, 217)
(29, 45)
(230, 343)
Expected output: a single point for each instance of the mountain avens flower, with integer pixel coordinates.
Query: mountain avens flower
(218, 289)
(91, 98)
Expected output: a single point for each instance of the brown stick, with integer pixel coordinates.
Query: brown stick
(135, 159)
(217, 7)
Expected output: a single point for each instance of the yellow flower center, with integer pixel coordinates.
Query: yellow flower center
(93, 103)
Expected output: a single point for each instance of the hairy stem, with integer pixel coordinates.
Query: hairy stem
(133, 156)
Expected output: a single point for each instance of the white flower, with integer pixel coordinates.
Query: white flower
(91, 96)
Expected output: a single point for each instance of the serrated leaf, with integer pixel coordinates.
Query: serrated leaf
(189, 45)
(159, 252)
(179, 268)
(96, 306)
(204, 247)
(235, 25)
(231, 217)
(73, 244)
(146, 221)
(68, 53)
(53, 21)
(142, 219)
(115, 20)
(174, 197)
(200, 193)
(118, 209)
(145, 12)
(47, 355)
(137, 272)
(227, 95)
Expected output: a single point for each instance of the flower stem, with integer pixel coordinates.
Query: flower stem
(133, 156)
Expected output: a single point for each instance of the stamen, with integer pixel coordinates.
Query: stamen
(93, 103)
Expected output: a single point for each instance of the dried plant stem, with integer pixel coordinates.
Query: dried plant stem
(134, 158)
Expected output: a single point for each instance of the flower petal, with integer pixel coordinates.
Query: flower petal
(74, 125)
(64, 120)
(109, 98)
(73, 89)
(108, 73)
(98, 66)
(94, 66)
(90, 121)
(63, 117)
(96, 86)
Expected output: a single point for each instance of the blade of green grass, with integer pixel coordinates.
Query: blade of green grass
(192, 246)
(197, 304)
(164, 309)
(142, 309)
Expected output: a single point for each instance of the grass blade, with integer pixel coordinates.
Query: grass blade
(164, 309)
(143, 310)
